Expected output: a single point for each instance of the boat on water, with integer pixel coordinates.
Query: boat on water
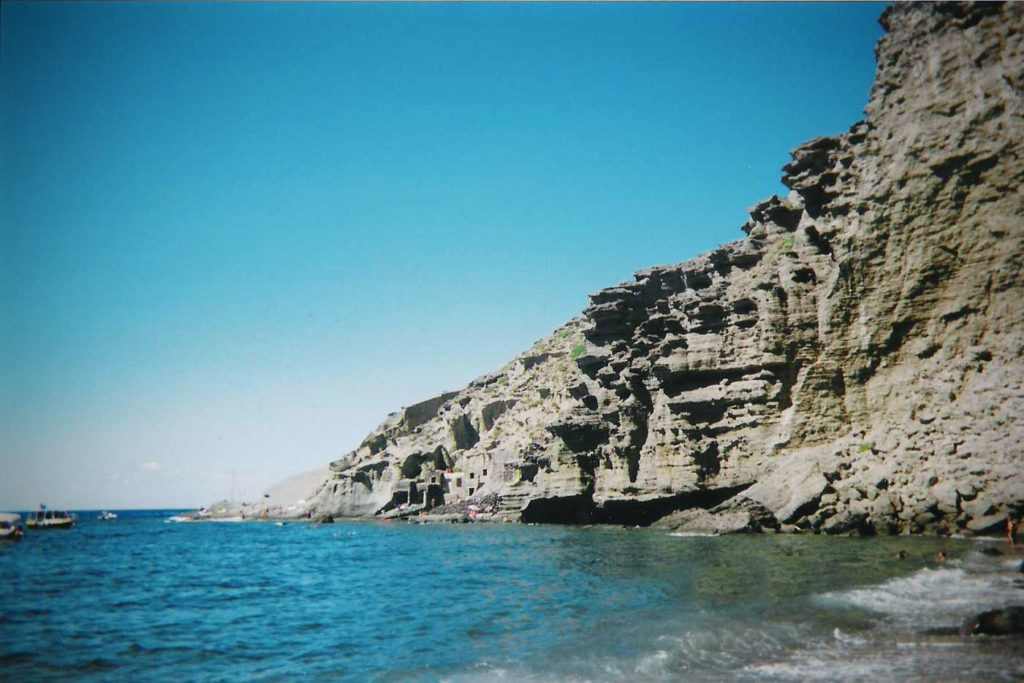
(50, 519)
(10, 527)
(107, 516)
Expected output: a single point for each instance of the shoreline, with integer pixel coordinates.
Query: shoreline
(422, 517)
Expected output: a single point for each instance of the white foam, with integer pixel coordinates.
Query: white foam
(653, 664)
(846, 639)
(820, 668)
(1013, 564)
(932, 596)
(949, 660)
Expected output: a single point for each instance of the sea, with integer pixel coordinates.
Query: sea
(144, 598)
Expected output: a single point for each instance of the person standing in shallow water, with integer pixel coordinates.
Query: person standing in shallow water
(1011, 529)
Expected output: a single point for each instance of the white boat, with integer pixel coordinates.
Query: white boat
(49, 519)
(10, 527)
(106, 516)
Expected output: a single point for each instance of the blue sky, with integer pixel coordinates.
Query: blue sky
(235, 236)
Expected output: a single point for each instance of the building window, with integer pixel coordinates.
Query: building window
(471, 491)
(458, 482)
(472, 475)
(484, 473)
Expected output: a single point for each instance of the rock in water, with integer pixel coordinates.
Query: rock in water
(998, 622)
(854, 365)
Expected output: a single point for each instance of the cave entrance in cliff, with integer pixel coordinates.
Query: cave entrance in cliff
(646, 512)
(581, 509)
(564, 510)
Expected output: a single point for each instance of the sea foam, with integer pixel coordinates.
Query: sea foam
(933, 597)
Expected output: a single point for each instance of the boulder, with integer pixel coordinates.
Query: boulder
(792, 491)
(1008, 621)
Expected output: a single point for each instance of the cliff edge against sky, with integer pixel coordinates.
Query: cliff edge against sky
(853, 365)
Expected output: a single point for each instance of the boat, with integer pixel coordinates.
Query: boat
(107, 516)
(44, 519)
(10, 527)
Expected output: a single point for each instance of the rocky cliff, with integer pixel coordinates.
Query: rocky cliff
(854, 364)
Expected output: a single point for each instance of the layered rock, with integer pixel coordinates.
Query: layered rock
(853, 364)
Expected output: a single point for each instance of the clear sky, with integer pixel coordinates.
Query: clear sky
(235, 236)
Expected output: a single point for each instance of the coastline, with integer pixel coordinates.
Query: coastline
(850, 366)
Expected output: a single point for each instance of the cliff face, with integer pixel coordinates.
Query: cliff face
(853, 364)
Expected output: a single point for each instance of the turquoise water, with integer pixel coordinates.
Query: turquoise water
(139, 598)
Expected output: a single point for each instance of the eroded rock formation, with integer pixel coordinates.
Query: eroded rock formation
(853, 365)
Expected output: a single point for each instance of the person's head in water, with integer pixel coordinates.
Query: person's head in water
(901, 555)
(940, 557)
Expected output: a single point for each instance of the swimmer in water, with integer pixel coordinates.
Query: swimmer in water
(940, 557)
(901, 555)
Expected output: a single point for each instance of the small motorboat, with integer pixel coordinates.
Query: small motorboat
(106, 516)
(44, 519)
(10, 527)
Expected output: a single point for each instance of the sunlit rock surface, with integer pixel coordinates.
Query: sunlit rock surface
(854, 365)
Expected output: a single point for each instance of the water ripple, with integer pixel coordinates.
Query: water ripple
(137, 599)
